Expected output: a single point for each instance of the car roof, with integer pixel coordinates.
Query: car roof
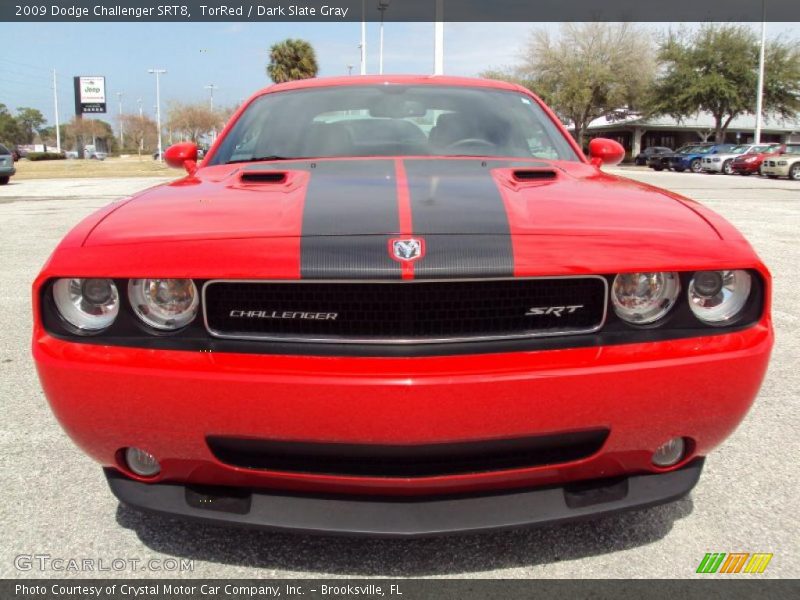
(448, 80)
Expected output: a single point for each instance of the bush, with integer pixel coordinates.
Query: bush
(45, 156)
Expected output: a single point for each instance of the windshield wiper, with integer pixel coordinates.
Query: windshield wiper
(263, 159)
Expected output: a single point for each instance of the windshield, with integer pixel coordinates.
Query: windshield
(703, 149)
(393, 120)
(686, 150)
(792, 149)
(758, 149)
(4, 150)
(740, 149)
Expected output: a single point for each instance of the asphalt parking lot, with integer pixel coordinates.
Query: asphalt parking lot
(56, 501)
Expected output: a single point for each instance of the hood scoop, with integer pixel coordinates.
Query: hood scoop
(262, 177)
(534, 174)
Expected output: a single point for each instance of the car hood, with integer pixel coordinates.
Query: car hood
(397, 196)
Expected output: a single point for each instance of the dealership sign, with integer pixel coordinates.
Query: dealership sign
(90, 95)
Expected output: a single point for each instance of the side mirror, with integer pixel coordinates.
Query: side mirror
(603, 151)
(183, 155)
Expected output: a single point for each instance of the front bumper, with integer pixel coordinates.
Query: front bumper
(395, 517)
(778, 171)
(739, 167)
(712, 167)
(171, 402)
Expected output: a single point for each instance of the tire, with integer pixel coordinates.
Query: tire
(658, 168)
(696, 166)
(680, 169)
(794, 172)
(727, 167)
(745, 173)
(4, 180)
(772, 176)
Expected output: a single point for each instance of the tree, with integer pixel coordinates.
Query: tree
(590, 70)
(141, 133)
(192, 121)
(716, 68)
(30, 122)
(92, 131)
(10, 132)
(292, 59)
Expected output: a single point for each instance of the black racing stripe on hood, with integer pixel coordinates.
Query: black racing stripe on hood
(457, 208)
(347, 204)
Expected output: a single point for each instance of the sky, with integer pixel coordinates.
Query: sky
(233, 56)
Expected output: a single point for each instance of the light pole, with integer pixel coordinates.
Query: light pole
(141, 126)
(363, 45)
(211, 87)
(438, 39)
(55, 103)
(121, 134)
(158, 73)
(760, 97)
(382, 6)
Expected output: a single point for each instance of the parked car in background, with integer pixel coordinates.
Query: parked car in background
(7, 168)
(785, 164)
(90, 151)
(71, 154)
(723, 162)
(693, 161)
(747, 164)
(642, 158)
(659, 162)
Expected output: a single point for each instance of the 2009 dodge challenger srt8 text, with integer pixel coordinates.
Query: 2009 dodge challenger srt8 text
(400, 306)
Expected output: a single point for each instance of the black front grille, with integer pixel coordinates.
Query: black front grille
(412, 311)
(423, 460)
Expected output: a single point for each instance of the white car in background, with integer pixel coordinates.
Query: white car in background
(786, 164)
(723, 163)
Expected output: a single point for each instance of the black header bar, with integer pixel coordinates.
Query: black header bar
(334, 11)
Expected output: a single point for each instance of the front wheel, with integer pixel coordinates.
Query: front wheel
(658, 168)
(680, 169)
(696, 166)
(4, 180)
(727, 167)
(794, 172)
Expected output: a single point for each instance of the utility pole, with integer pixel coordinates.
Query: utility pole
(363, 45)
(121, 134)
(438, 39)
(760, 96)
(382, 6)
(158, 73)
(55, 104)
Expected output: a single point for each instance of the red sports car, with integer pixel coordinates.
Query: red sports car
(747, 164)
(400, 306)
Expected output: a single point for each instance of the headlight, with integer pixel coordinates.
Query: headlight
(166, 304)
(89, 305)
(717, 297)
(642, 298)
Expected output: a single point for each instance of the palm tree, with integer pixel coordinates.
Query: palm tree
(290, 60)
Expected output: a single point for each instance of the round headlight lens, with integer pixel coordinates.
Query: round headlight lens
(89, 305)
(717, 297)
(166, 304)
(642, 298)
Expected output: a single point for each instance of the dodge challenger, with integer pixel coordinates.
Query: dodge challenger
(400, 306)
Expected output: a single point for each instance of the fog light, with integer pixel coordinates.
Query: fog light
(669, 453)
(141, 462)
